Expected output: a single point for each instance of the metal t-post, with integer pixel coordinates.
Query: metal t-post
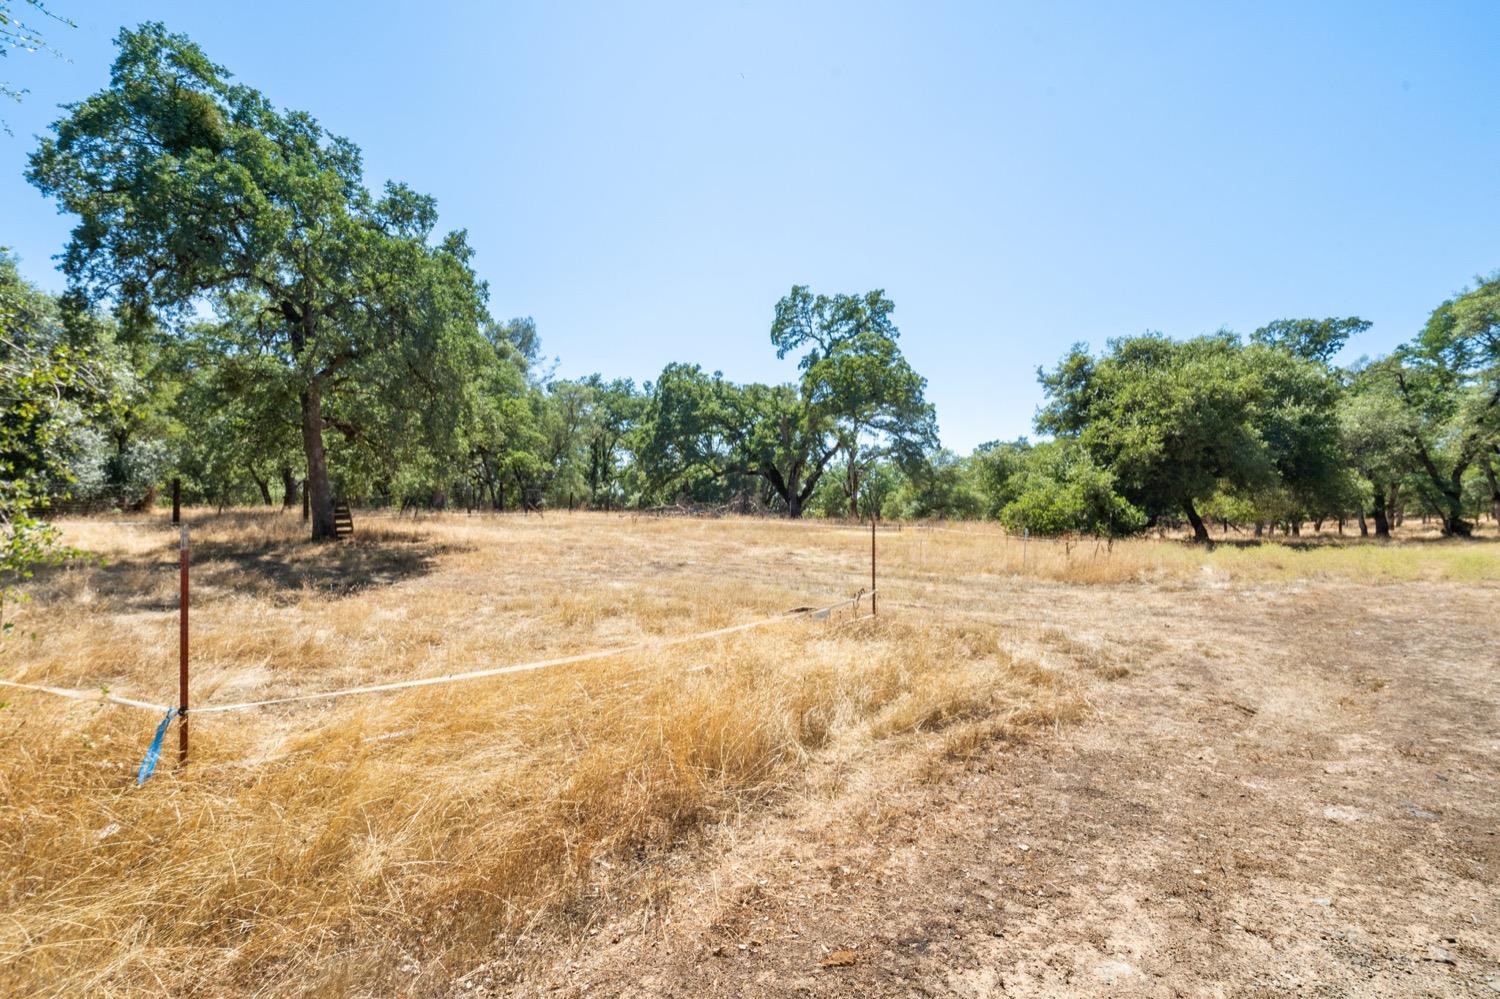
(182, 652)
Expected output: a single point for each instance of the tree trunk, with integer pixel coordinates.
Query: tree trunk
(264, 487)
(1260, 528)
(1494, 481)
(320, 495)
(1380, 512)
(1454, 525)
(853, 485)
(1200, 533)
(1452, 513)
(288, 488)
(1364, 527)
(789, 489)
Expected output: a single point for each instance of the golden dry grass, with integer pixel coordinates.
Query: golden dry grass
(1415, 554)
(388, 843)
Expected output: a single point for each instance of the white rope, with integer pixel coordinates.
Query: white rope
(479, 674)
(87, 695)
(103, 696)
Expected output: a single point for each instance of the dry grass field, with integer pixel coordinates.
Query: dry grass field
(453, 838)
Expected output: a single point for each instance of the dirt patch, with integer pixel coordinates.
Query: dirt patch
(1303, 803)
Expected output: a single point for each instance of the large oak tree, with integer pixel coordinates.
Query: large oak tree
(1448, 380)
(193, 190)
(855, 394)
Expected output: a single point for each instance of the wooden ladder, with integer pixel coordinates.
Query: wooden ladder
(343, 521)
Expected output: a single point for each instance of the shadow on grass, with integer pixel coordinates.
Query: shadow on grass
(279, 571)
(1295, 543)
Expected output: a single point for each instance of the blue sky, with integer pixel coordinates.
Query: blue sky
(647, 180)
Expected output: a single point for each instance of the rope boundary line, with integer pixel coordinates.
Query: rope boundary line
(814, 613)
(100, 697)
(479, 674)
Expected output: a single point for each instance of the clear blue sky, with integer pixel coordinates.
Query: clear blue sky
(647, 180)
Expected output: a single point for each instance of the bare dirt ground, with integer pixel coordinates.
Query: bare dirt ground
(1305, 803)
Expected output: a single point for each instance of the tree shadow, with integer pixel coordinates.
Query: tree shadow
(280, 572)
(1294, 543)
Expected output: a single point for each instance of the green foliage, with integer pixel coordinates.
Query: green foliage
(940, 487)
(1310, 339)
(190, 188)
(1172, 420)
(1295, 414)
(856, 395)
(273, 320)
(45, 389)
(1177, 422)
(1057, 488)
(1448, 382)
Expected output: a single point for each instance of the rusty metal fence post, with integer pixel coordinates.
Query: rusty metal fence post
(182, 650)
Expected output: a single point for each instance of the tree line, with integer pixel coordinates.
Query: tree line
(246, 316)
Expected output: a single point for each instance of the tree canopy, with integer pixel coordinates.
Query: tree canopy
(246, 315)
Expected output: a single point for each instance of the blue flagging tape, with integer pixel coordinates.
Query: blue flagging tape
(148, 765)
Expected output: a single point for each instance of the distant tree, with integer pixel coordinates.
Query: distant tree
(943, 486)
(855, 395)
(1310, 339)
(701, 428)
(996, 465)
(1448, 380)
(615, 408)
(506, 438)
(1176, 422)
(238, 414)
(1378, 438)
(1295, 414)
(1056, 488)
(1172, 421)
(190, 187)
(856, 379)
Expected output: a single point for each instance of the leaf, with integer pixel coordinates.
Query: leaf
(839, 959)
